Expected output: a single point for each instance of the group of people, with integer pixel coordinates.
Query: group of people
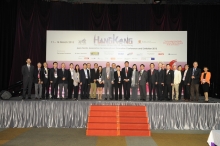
(164, 82)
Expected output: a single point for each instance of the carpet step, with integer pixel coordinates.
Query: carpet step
(117, 108)
(118, 132)
(120, 114)
(119, 120)
(115, 126)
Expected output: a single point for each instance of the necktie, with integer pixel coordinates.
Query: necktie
(126, 70)
(167, 71)
(151, 72)
(29, 68)
(38, 73)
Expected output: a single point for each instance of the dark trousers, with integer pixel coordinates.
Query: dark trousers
(45, 89)
(194, 89)
(27, 84)
(142, 89)
(181, 86)
(152, 87)
(168, 91)
(126, 88)
(88, 91)
(54, 90)
(84, 90)
(118, 87)
(160, 90)
(70, 89)
(76, 92)
(186, 89)
(113, 90)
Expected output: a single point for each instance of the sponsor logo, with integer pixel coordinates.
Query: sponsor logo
(86, 58)
(112, 58)
(142, 42)
(94, 53)
(120, 53)
(82, 42)
(93, 58)
(131, 53)
(160, 53)
(152, 58)
(98, 40)
(171, 54)
(173, 42)
(139, 54)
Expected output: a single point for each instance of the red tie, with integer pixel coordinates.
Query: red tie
(126, 70)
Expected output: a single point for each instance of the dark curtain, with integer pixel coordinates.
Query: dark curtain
(35, 17)
(7, 37)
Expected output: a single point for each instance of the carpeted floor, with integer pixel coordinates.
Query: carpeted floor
(77, 137)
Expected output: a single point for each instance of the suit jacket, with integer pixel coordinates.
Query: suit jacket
(160, 78)
(70, 80)
(36, 79)
(44, 75)
(52, 75)
(111, 75)
(129, 74)
(92, 72)
(61, 75)
(26, 73)
(177, 77)
(197, 75)
(154, 77)
(169, 77)
(144, 77)
(117, 78)
(83, 76)
(187, 77)
(207, 77)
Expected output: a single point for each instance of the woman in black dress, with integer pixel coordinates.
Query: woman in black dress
(100, 82)
(205, 81)
(118, 83)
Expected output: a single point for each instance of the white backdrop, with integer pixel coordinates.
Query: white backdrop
(138, 47)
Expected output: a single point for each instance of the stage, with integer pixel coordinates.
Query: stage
(175, 115)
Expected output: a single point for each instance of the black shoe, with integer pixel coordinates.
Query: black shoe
(29, 97)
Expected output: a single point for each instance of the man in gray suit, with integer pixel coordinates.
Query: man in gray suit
(142, 82)
(108, 77)
(28, 74)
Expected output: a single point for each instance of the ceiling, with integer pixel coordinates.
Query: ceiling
(187, 2)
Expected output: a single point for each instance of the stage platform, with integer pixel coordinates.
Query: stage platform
(179, 115)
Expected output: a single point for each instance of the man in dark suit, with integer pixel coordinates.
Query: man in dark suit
(38, 81)
(168, 83)
(160, 83)
(70, 81)
(46, 81)
(181, 85)
(142, 82)
(27, 73)
(113, 85)
(195, 79)
(84, 81)
(90, 80)
(186, 78)
(63, 81)
(126, 75)
(54, 80)
(152, 81)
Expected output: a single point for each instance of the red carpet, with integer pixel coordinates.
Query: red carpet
(118, 121)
